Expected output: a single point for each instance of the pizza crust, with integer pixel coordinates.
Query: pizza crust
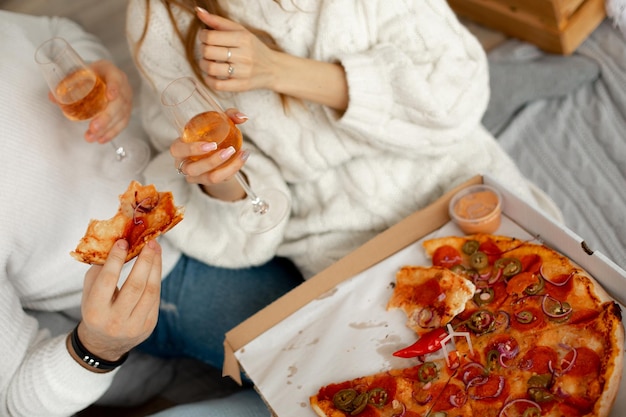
(143, 214)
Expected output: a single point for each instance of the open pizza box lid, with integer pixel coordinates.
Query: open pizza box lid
(335, 326)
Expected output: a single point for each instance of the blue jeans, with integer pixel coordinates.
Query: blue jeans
(200, 303)
(246, 403)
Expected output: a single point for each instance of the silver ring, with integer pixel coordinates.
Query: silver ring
(228, 54)
(231, 70)
(180, 167)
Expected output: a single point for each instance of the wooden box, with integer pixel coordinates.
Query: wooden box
(556, 26)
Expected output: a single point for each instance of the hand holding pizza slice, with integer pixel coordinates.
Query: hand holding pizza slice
(144, 213)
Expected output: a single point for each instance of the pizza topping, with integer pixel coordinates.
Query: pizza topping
(528, 406)
(344, 398)
(558, 280)
(482, 321)
(427, 372)
(479, 260)
(491, 387)
(350, 400)
(427, 343)
(446, 256)
(531, 412)
(509, 266)
(398, 408)
(522, 282)
(540, 395)
(540, 381)
(484, 296)
(524, 316)
(566, 364)
(554, 308)
(378, 397)
(470, 246)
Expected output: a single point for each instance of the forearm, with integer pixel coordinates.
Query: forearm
(320, 82)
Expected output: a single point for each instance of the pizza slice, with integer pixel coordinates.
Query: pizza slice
(144, 213)
(429, 388)
(430, 296)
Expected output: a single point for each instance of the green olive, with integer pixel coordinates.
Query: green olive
(470, 247)
(479, 260)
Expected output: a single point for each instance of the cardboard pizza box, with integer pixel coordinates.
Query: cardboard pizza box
(335, 326)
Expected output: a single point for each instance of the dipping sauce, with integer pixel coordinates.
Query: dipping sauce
(477, 209)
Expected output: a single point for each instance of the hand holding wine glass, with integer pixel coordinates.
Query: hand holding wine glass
(198, 117)
(81, 93)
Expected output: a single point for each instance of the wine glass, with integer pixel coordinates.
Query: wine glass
(81, 95)
(199, 117)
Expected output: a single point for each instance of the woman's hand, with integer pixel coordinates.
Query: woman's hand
(228, 45)
(234, 59)
(116, 320)
(109, 123)
(213, 170)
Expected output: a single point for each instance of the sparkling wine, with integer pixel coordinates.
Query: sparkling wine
(211, 126)
(81, 95)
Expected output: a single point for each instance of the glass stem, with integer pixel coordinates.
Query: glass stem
(120, 153)
(259, 205)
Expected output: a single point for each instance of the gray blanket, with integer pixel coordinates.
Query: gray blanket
(573, 145)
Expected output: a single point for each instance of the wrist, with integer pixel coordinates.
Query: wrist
(229, 190)
(87, 359)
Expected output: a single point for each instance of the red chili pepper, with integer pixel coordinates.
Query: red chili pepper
(427, 343)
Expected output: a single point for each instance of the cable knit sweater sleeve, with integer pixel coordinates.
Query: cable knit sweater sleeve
(210, 231)
(38, 377)
(422, 86)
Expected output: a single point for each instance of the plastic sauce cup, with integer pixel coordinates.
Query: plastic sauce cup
(477, 209)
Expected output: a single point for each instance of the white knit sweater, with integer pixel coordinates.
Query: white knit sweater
(418, 86)
(51, 185)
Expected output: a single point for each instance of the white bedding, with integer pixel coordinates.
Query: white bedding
(574, 146)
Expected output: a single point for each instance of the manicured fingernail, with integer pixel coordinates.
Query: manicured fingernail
(244, 155)
(122, 244)
(201, 10)
(242, 116)
(227, 153)
(208, 147)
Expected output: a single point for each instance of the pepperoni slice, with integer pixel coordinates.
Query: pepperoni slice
(531, 263)
(538, 357)
(587, 363)
(446, 256)
(489, 248)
